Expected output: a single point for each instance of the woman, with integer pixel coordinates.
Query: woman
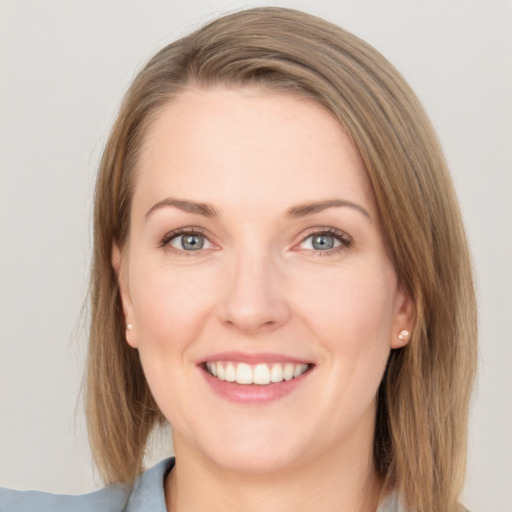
(280, 271)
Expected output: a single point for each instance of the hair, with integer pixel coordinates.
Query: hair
(423, 400)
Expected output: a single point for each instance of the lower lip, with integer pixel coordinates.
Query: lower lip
(253, 393)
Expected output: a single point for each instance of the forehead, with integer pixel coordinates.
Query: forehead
(250, 143)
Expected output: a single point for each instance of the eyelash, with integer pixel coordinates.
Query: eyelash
(344, 239)
(171, 235)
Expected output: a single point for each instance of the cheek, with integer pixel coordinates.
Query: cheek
(353, 308)
(351, 316)
(171, 309)
(170, 306)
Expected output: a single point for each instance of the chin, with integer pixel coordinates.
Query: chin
(251, 461)
(253, 452)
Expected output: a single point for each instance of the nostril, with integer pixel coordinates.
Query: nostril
(252, 323)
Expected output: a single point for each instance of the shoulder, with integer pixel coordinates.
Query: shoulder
(148, 490)
(147, 493)
(112, 498)
(392, 503)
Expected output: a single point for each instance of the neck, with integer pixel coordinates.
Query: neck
(341, 482)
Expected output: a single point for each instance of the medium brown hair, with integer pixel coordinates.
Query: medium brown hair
(422, 411)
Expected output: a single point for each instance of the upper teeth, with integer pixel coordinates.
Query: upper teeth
(261, 374)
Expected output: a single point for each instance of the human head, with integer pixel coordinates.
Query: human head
(422, 404)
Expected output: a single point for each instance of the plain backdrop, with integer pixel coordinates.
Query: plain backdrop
(64, 66)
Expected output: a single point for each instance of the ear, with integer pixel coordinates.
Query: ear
(403, 319)
(119, 266)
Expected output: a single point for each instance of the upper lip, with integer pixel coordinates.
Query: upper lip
(253, 358)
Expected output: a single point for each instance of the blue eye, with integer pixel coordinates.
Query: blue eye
(320, 242)
(323, 242)
(189, 242)
(326, 241)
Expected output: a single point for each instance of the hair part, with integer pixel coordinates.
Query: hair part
(423, 401)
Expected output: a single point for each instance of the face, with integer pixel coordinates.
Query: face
(263, 303)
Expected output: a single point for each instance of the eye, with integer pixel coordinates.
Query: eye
(326, 241)
(186, 241)
(189, 242)
(320, 242)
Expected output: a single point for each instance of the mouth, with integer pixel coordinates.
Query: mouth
(261, 374)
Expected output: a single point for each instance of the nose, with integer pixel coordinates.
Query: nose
(255, 298)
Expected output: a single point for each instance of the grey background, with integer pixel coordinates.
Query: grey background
(63, 69)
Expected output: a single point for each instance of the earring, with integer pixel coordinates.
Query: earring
(404, 335)
(129, 326)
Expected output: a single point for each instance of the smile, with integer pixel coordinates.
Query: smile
(261, 374)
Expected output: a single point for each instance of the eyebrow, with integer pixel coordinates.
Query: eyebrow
(302, 210)
(187, 206)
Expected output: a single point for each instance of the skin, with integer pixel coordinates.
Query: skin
(257, 286)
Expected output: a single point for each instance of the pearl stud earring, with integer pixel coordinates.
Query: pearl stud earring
(129, 326)
(404, 335)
